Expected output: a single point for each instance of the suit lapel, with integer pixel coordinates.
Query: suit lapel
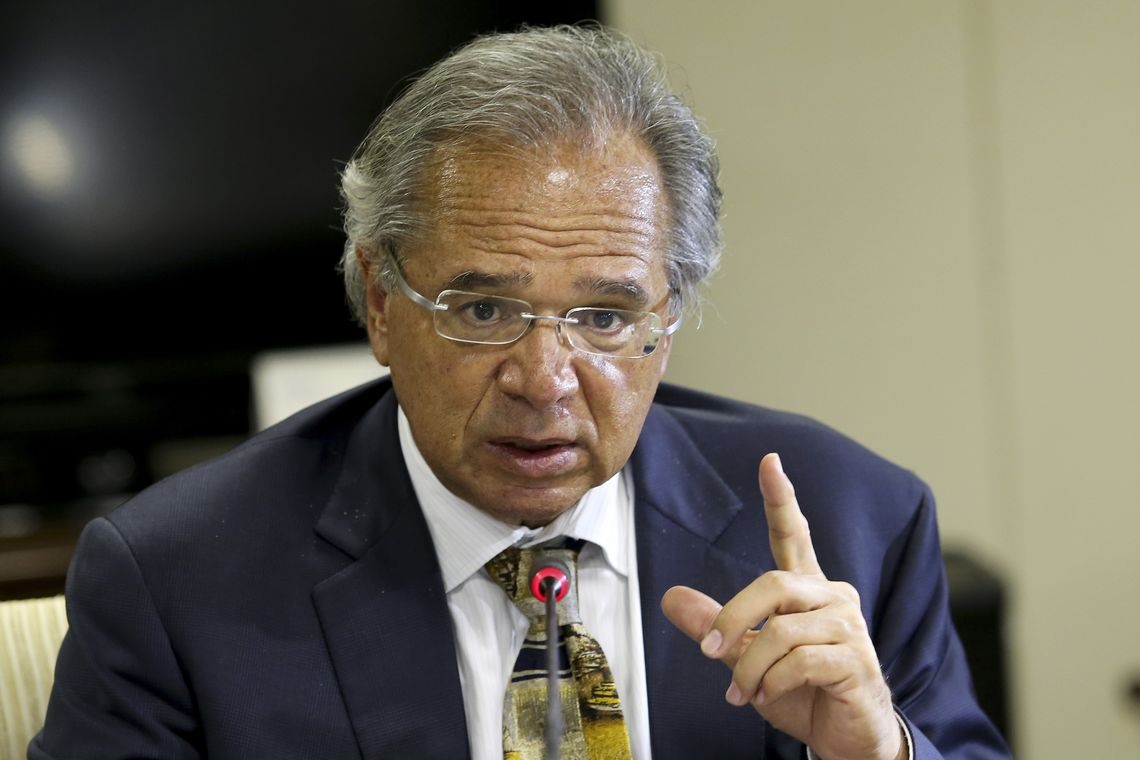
(384, 616)
(682, 508)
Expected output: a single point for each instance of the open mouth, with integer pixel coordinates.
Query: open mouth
(530, 443)
(536, 445)
(536, 458)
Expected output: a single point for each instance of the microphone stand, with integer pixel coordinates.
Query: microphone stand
(549, 583)
(553, 692)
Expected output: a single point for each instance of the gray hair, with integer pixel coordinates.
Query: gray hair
(530, 88)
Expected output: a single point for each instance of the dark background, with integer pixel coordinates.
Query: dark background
(169, 208)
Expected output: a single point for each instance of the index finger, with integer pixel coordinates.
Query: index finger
(788, 532)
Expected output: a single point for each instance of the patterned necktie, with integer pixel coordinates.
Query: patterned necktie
(594, 726)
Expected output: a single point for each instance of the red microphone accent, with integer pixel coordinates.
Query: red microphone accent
(561, 582)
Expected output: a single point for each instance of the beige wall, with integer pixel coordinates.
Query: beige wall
(933, 229)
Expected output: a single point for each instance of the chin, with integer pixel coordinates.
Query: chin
(534, 509)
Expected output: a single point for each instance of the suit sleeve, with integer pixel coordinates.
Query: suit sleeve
(119, 691)
(923, 660)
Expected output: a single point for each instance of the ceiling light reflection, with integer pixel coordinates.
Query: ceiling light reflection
(40, 152)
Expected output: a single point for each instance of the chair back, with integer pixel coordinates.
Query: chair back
(30, 634)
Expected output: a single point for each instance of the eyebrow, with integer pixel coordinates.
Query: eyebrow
(598, 286)
(472, 279)
(605, 286)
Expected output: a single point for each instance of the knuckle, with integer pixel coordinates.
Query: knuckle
(843, 628)
(778, 628)
(799, 667)
(848, 592)
(731, 620)
(778, 581)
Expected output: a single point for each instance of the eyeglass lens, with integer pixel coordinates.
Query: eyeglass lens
(477, 318)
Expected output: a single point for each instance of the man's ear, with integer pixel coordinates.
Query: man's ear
(377, 299)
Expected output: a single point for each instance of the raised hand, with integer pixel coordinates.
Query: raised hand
(810, 668)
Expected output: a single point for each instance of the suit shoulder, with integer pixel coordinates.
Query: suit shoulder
(723, 422)
(736, 434)
(287, 469)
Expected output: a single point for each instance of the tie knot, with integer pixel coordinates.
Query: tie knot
(513, 569)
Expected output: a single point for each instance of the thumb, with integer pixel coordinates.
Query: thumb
(691, 611)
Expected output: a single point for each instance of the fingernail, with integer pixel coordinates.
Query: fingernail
(733, 695)
(779, 463)
(710, 644)
(759, 698)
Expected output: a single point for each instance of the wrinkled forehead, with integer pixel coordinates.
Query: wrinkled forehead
(588, 173)
(574, 208)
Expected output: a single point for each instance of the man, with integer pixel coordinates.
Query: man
(526, 225)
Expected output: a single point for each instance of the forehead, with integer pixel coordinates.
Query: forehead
(609, 167)
(596, 211)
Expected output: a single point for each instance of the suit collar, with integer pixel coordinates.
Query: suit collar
(674, 478)
(384, 615)
(372, 489)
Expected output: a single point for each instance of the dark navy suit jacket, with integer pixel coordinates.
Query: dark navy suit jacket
(284, 600)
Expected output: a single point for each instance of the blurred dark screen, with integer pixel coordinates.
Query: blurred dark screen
(168, 204)
(170, 169)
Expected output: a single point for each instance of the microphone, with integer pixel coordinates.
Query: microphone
(549, 583)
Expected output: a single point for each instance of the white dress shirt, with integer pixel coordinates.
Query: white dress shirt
(489, 629)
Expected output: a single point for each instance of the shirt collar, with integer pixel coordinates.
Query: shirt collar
(466, 537)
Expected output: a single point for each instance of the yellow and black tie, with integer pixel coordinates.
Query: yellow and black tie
(594, 728)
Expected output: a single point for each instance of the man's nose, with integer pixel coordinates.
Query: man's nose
(539, 367)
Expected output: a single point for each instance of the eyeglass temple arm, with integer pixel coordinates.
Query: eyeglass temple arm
(416, 298)
(671, 328)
